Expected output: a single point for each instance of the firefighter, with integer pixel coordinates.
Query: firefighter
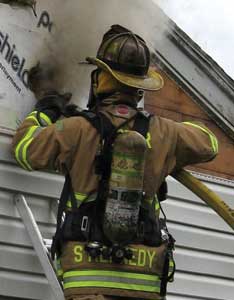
(97, 263)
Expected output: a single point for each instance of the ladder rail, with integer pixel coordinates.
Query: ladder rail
(38, 244)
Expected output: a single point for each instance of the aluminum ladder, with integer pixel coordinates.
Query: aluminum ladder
(39, 245)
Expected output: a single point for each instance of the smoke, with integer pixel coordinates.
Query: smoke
(79, 27)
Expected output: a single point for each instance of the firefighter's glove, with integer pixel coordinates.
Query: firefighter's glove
(71, 110)
(53, 104)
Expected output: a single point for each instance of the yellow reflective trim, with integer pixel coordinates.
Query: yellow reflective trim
(34, 119)
(25, 154)
(213, 139)
(124, 280)
(33, 113)
(171, 269)
(215, 144)
(157, 206)
(19, 161)
(25, 147)
(148, 140)
(150, 201)
(79, 197)
(123, 131)
(45, 118)
(171, 263)
(69, 204)
(28, 135)
(110, 273)
(126, 286)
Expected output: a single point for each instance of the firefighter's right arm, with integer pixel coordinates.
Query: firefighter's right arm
(41, 142)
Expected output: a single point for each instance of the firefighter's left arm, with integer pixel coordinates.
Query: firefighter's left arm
(195, 144)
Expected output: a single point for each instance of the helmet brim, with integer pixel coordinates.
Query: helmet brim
(153, 81)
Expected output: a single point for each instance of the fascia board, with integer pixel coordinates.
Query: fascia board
(198, 75)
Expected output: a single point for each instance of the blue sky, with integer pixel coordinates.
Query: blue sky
(210, 23)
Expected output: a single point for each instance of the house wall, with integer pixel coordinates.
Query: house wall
(21, 275)
(173, 103)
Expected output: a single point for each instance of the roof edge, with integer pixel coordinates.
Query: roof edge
(197, 74)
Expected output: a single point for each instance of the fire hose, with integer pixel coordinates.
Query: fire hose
(208, 196)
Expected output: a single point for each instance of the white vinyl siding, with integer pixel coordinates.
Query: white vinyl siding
(204, 243)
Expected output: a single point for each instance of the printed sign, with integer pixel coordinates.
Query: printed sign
(62, 35)
(20, 41)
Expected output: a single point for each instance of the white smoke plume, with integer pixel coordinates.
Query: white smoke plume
(80, 26)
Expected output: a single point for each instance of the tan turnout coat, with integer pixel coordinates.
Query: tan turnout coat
(71, 145)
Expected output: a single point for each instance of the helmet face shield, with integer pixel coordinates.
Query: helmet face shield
(127, 58)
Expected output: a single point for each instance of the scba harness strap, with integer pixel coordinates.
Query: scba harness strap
(103, 161)
(107, 132)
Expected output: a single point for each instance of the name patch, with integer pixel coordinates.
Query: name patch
(141, 257)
